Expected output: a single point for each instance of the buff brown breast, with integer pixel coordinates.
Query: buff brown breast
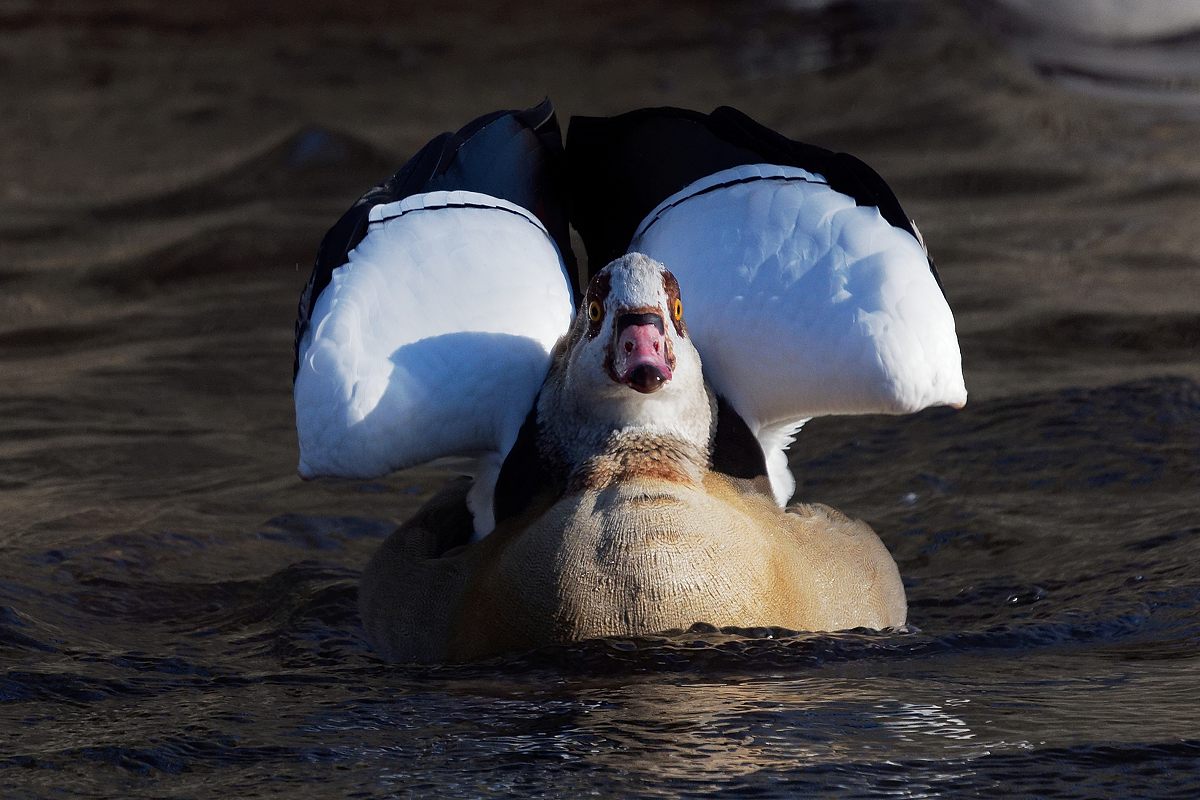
(625, 528)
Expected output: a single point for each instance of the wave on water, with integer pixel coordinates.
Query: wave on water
(178, 611)
(1041, 537)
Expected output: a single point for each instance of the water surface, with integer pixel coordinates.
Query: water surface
(177, 609)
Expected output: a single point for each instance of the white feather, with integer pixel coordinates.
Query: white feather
(432, 340)
(802, 303)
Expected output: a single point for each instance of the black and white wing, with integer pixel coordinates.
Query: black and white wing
(426, 328)
(808, 290)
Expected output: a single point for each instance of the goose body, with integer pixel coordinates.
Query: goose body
(630, 470)
(626, 528)
(643, 555)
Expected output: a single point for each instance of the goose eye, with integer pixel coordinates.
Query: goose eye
(677, 309)
(595, 311)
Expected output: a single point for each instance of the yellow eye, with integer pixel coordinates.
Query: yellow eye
(595, 311)
(677, 309)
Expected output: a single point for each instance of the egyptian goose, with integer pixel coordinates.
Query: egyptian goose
(623, 485)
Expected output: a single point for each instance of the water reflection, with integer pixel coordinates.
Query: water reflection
(759, 732)
(909, 720)
(689, 729)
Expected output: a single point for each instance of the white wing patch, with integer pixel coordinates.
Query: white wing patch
(802, 303)
(433, 339)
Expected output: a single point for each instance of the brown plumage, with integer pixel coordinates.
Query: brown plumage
(638, 556)
(630, 531)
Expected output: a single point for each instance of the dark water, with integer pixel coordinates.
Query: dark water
(1048, 545)
(177, 610)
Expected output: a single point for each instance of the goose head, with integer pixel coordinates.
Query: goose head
(627, 369)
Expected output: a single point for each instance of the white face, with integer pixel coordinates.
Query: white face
(630, 363)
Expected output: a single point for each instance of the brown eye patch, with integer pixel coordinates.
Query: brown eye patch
(593, 302)
(674, 302)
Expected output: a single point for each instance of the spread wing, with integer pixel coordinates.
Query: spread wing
(807, 290)
(426, 328)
